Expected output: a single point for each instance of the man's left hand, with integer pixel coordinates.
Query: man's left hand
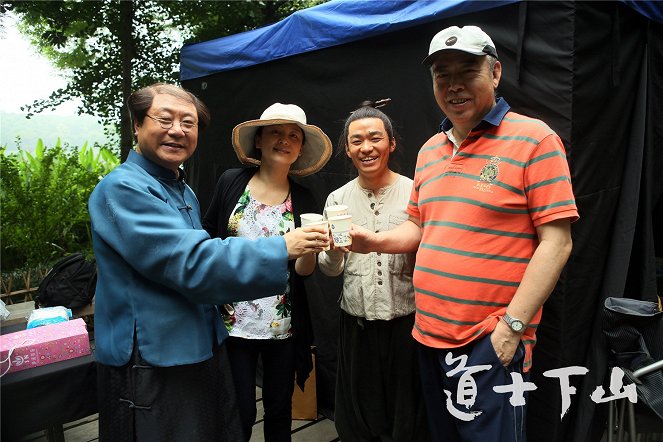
(505, 342)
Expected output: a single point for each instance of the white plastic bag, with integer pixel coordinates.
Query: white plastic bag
(48, 315)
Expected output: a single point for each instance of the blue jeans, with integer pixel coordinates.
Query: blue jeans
(278, 381)
(498, 420)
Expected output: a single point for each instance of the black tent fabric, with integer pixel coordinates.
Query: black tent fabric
(592, 70)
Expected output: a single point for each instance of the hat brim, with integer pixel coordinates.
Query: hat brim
(488, 50)
(316, 151)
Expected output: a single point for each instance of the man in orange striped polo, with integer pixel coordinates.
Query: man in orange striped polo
(489, 216)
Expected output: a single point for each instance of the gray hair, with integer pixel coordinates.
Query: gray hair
(141, 100)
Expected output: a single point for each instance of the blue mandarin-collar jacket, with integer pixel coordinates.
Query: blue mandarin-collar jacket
(159, 272)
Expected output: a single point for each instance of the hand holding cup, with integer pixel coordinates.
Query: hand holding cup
(306, 240)
(317, 220)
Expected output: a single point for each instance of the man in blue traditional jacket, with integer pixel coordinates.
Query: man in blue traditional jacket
(162, 368)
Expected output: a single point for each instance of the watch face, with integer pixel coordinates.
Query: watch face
(516, 325)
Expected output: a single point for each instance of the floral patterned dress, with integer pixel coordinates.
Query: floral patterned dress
(269, 317)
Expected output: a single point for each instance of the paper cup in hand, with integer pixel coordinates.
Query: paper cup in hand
(308, 218)
(339, 210)
(322, 223)
(340, 228)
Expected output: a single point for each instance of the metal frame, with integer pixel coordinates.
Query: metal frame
(624, 404)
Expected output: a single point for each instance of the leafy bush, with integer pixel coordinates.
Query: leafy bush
(43, 202)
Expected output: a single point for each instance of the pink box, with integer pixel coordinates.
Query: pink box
(44, 345)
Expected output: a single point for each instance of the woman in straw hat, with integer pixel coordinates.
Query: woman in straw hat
(263, 201)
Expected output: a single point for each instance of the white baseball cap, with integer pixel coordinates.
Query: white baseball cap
(470, 39)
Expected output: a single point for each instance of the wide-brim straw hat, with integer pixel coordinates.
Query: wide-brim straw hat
(316, 150)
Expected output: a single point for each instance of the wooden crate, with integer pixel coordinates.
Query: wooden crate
(305, 403)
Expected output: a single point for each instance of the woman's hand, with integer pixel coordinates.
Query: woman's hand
(306, 240)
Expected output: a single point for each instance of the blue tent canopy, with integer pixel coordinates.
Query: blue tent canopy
(331, 24)
(323, 26)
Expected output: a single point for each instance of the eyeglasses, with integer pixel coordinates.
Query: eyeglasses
(165, 123)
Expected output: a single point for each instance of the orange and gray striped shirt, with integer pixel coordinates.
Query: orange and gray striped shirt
(479, 211)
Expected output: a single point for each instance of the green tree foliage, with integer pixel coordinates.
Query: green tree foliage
(110, 47)
(44, 202)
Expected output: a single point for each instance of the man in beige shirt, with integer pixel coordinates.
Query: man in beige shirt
(378, 391)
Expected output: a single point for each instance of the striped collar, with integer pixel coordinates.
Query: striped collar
(493, 118)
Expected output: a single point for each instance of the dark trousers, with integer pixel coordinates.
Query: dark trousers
(141, 402)
(499, 421)
(378, 391)
(278, 380)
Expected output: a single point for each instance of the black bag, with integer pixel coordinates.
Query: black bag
(71, 283)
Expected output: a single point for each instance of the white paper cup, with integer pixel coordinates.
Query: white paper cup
(308, 218)
(323, 223)
(340, 228)
(339, 210)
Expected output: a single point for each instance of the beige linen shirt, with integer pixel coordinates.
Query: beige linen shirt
(375, 285)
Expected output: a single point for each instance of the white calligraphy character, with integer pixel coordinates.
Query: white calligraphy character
(616, 384)
(517, 388)
(467, 388)
(565, 386)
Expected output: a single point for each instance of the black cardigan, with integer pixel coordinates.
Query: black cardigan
(229, 188)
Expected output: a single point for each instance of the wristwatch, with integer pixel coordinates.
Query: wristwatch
(516, 324)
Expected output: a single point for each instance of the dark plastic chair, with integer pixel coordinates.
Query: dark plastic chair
(634, 335)
(646, 422)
